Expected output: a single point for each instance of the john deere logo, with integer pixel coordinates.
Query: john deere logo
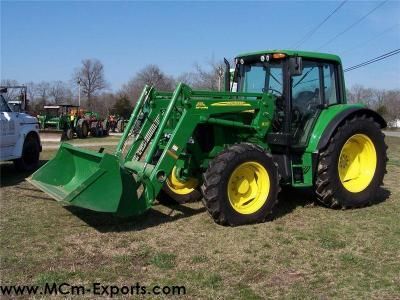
(231, 103)
(201, 105)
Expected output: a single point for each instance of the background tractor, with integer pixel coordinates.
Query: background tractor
(98, 127)
(286, 123)
(62, 120)
(116, 123)
(70, 120)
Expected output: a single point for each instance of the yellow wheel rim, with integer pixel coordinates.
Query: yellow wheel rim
(248, 187)
(181, 187)
(357, 163)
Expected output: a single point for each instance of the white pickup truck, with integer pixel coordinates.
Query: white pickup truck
(19, 138)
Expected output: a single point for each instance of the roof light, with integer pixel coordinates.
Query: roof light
(278, 55)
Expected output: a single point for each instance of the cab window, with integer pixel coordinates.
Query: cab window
(306, 88)
(330, 84)
(3, 105)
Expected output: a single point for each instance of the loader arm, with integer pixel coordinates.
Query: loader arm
(161, 125)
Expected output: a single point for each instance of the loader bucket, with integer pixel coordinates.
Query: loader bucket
(91, 180)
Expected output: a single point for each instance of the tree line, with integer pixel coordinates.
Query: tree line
(90, 79)
(96, 95)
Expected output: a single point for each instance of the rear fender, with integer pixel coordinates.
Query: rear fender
(331, 118)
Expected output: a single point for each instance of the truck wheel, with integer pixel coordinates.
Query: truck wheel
(30, 155)
(241, 185)
(82, 130)
(177, 191)
(351, 168)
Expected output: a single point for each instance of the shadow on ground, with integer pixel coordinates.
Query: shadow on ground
(9, 175)
(105, 222)
(290, 199)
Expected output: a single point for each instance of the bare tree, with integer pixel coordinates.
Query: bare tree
(60, 92)
(386, 102)
(30, 90)
(104, 103)
(360, 94)
(91, 78)
(42, 91)
(151, 75)
(391, 103)
(204, 76)
(12, 94)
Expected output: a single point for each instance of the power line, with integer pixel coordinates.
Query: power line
(371, 39)
(353, 24)
(312, 31)
(373, 60)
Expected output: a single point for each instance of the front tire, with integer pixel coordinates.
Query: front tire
(351, 168)
(30, 154)
(241, 186)
(176, 191)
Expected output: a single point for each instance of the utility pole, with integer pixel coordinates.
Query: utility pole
(79, 92)
(220, 74)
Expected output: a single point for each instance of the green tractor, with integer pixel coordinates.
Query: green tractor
(64, 119)
(97, 126)
(285, 123)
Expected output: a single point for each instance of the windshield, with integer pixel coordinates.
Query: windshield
(261, 77)
(52, 112)
(3, 105)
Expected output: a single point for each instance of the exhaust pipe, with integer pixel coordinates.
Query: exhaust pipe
(227, 75)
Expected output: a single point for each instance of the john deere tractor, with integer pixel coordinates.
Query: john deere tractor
(64, 120)
(282, 120)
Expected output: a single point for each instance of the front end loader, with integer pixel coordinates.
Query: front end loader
(283, 120)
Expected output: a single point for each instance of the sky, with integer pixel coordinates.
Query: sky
(46, 40)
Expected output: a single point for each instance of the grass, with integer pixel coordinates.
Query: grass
(306, 251)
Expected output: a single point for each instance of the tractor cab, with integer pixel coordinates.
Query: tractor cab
(303, 83)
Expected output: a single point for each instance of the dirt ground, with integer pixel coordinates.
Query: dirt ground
(307, 251)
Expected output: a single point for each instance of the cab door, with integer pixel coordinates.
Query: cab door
(8, 128)
(315, 89)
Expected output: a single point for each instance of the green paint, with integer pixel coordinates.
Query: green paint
(187, 129)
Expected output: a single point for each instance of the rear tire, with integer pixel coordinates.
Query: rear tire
(69, 134)
(30, 154)
(106, 128)
(351, 168)
(82, 129)
(241, 185)
(120, 125)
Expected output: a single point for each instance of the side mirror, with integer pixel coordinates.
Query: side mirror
(295, 66)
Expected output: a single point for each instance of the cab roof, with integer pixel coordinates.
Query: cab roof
(306, 54)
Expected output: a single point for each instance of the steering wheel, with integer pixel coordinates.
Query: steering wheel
(313, 101)
(273, 90)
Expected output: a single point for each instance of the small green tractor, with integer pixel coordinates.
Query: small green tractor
(70, 120)
(282, 121)
(61, 119)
